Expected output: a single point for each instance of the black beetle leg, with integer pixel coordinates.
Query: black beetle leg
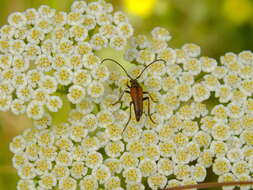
(149, 115)
(125, 91)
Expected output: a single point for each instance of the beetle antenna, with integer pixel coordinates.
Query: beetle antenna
(148, 66)
(109, 59)
(211, 185)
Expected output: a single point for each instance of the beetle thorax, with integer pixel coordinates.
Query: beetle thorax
(134, 83)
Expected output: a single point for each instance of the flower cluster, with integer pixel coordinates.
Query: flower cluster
(202, 108)
(46, 53)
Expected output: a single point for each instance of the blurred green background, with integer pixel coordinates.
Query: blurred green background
(218, 26)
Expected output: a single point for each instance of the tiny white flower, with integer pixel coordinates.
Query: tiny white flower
(235, 155)
(145, 56)
(88, 182)
(25, 184)
(200, 92)
(5, 102)
(47, 180)
(78, 32)
(100, 73)
(68, 183)
(64, 75)
(98, 42)
(208, 64)
(78, 170)
(132, 175)
(161, 34)
(95, 89)
(114, 149)
(245, 57)
(125, 29)
(199, 173)
(103, 18)
(157, 181)
(35, 110)
(65, 47)
(49, 84)
(76, 94)
(27, 171)
(221, 166)
(165, 166)
(90, 61)
(18, 106)
(60, 171)
(78, 6)
(20, 64)
(118, 42)
(54, 103)
(35, 36)
(89, 22)
(119, 17)
(44, 63)
(94, 159)
(17, 19)
(192, 50)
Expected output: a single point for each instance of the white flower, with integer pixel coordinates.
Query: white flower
(208, 64)
(221, 166)
(26, 184)
(79, 32)
(54, 103)
(200, 92)
(118, 42)
(27, 171)
(157, 181)
(47, 181)
(17, 19)
(114, 149)
(78, 6)
(76, 94)
(49, 84)
(35, 110)
(65, 47)
(89, 22)
(165, 166)
(161, 34)
(94, 159)
(120, 17)
(88, 182)
(90, 61)
(95, 89)
(78, 170)
(64, 75)
(102, 173)
(132, 175)
(192, 50)
(234, 155)
(100, 73)
(68, 183)
(245, 57)
(145, 56)
(5, 102)
(98, 42)
(125, 29)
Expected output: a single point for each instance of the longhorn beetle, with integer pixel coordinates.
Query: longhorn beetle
(136, 92)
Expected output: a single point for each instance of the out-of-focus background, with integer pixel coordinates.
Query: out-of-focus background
(218, 26)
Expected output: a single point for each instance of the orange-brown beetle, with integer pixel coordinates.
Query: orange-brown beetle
(136, 92)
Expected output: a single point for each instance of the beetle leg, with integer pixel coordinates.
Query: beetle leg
(128, 85)
(149, 115)
(130, 106)
(150, 97)
(125, 91)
